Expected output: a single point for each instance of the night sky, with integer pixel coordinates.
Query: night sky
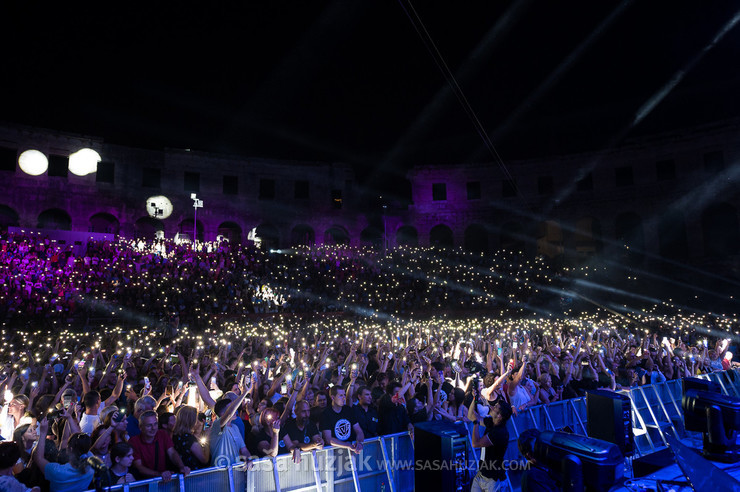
(352, 81)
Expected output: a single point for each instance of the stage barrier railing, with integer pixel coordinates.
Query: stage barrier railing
(330, 469)
(386, 463)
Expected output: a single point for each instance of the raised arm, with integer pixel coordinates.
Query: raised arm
(205, 395)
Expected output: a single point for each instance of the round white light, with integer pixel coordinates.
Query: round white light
(84, 162)
(33, 162)
(159, 207)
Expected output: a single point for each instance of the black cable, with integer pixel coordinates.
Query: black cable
(426, 38)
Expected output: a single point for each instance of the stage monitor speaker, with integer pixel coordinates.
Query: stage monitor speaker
(699, 385)
(610, 419)
(443, 446)
(651, 463)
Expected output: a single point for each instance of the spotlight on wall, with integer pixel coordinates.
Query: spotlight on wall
(159, 207)
(84, 162)
(33, 162)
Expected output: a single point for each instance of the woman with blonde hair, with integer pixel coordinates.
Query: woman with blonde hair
(194, 452)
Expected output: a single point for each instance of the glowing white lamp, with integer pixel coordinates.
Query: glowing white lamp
(159, 207)
(84, 162)
(33, 162)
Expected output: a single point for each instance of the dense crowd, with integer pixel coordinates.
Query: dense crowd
(46, 282)
(163, 399)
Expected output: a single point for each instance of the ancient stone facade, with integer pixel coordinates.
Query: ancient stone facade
(286, 202)
(672, 196)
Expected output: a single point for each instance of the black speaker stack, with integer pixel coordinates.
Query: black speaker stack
(441, 455)
(610, 419)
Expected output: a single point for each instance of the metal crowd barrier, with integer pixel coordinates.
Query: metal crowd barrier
(330, 469)
(656, 412)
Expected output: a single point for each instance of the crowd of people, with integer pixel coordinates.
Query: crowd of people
(164, 399)
(45, 282)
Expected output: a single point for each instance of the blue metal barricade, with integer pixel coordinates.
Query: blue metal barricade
(387, 463)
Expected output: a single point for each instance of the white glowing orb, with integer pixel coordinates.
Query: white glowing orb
(33, 162)
(159, 207)
(84, 162)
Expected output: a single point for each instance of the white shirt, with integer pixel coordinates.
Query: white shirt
(88, 423)
(7, 424)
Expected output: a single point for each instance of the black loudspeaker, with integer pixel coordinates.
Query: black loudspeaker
(441, 456)
(651, 463)
(610, 419)
(699, 385)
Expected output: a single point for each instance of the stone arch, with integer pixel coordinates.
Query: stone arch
(336, 235)
(185, 228)
(587, 236)
(672, 240)
(441, 235)
(476, 238)
(371, 236)
(630, 235)
(104, 222)
(407, 236)
(55, 218)
(8, 217)
(302, 235)
(721, 231)
(268, 234)
(549, 239)
(231, 231)
(147, 228)
(512, 236)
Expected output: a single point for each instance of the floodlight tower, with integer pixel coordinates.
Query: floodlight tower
(197, 203)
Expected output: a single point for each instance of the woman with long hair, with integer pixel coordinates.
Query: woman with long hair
(117, 421)
(193, 451)
(25, 436)
(101, 442)
(72, 476)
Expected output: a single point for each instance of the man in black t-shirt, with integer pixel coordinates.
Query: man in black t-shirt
(365, 412)
(491, 475)
(300, 434)
(392, 413)
(338, 423)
